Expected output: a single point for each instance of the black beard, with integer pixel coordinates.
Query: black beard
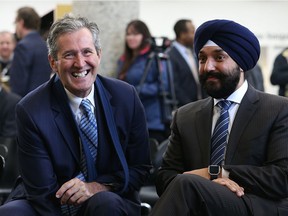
(228, 83)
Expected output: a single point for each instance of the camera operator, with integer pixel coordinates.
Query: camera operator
(141, 66)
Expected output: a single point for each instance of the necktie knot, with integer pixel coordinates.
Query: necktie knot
(224, 104)
(85, 105)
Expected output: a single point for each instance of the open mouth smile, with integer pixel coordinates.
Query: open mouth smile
(81, 74)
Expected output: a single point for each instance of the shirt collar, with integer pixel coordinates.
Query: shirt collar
(75, 101)
(180, 47)
(236, 96)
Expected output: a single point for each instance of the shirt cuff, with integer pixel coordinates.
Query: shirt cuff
(225, 173)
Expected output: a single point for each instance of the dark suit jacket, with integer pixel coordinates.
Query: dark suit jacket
(30, 66)
(257, 156)
(49, 147)
(8, 103)
(185, 85)
(279, 75)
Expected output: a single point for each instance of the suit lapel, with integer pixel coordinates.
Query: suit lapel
(203, 124)
(245, 112)
(64, 118)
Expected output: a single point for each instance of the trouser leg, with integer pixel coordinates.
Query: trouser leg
(17, 208)
(105, 203)
(195, 196)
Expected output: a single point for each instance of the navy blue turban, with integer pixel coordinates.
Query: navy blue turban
(236, 40)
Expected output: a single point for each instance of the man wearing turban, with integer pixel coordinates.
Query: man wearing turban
(227, 154)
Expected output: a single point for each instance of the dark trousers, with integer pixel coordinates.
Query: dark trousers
(103, 203)
(191, 195)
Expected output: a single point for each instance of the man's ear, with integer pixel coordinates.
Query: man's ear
(53, 63)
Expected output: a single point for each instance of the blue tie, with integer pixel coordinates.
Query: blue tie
(88, 127)
(219, 137)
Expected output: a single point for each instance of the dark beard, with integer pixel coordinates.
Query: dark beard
(228, 83)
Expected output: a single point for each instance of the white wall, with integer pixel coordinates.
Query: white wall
(8, 9)
(267, 19)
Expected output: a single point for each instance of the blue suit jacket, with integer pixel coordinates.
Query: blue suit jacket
(49, 147)
(30, 66)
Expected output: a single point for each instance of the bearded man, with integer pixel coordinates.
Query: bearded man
(227, 154)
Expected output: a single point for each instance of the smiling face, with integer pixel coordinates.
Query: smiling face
(220, 76)
(77, 62)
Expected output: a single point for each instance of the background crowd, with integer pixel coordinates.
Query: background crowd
(165, 75)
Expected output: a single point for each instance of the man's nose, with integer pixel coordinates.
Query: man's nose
(209, 65)
(79, 61)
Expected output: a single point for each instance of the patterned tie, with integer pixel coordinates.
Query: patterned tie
(219, 137)
(88, 127)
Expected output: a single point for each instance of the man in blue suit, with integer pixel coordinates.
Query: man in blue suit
(30, 66)
(53, 181)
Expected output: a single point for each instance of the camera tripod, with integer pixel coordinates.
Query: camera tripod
(167, 96)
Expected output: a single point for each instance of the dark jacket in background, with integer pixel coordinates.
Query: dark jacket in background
(30, 66)
(279, 74)
(184, 82)
(8, 103)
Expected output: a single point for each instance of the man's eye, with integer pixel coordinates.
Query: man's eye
(220, 57)
(68, 56)
(87, 52)
(202, 60)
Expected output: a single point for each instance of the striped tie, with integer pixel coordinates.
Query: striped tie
(88, 127)
(219, 137)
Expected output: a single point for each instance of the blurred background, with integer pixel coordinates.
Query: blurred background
(267, 19)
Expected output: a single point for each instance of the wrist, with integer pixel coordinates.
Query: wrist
(214, 171)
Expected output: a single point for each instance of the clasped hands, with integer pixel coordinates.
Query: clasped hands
(75, 191)
(233, 186)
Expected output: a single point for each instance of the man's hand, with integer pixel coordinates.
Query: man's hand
(233, 186)
(75, 191)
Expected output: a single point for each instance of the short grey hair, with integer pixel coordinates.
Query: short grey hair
(69, 23)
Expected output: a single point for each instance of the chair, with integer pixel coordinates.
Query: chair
(148, 194)
(9, 171)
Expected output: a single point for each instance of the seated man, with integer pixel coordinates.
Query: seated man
(227, 154)
(83, 140)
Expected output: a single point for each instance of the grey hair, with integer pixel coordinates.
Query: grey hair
(68, 24)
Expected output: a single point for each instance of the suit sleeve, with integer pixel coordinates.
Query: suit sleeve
(36, 168)
(268, 179)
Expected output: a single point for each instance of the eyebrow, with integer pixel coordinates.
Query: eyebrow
(216, 51)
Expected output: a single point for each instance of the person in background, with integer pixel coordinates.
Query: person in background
(184, 63)
(255, 77)
(30, 66)
(8, 101)
(131, 68)
(82, 138)
(279, 75)
(7, 45)
(227, 153)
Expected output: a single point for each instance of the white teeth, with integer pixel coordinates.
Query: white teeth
(83, 74)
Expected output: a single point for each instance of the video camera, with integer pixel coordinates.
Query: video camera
(160, 44)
